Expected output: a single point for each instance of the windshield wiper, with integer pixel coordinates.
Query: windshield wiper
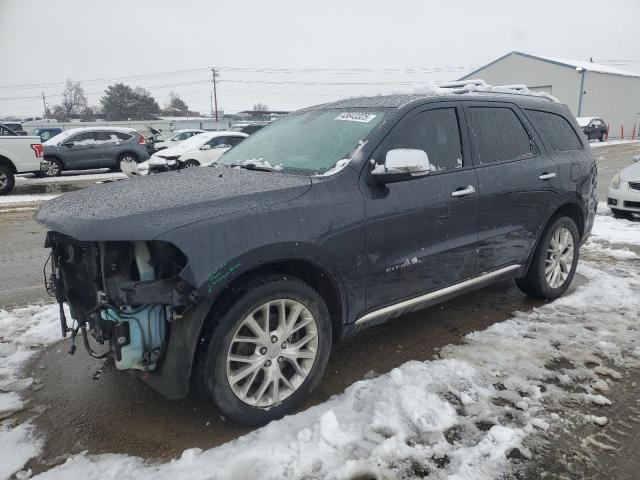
(254, 166)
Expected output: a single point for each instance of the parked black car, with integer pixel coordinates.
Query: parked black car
(331, 220)
(15, 127)
(593, 127)
(94, 147)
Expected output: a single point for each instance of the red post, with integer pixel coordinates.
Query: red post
(633, 133)
(607, 131)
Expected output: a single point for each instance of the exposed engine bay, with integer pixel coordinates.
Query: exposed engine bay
(124, 295)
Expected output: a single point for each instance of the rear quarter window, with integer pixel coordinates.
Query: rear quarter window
(555, 130)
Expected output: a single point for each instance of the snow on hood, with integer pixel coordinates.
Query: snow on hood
(143, 207)
(631, 173)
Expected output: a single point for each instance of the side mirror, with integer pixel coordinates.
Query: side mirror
(402, 164)
(206, 146)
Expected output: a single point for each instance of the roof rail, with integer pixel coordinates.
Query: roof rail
(478, 85)
(463, 83)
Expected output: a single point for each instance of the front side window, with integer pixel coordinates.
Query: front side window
(555, 130)
(84, 138)
(498, 135)
(309, 142)
(437, 132)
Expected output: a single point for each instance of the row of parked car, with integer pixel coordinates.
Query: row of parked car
(115, 148)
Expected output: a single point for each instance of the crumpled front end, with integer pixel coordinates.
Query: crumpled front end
(122, 296)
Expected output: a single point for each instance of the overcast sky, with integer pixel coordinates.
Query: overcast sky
(170, 45)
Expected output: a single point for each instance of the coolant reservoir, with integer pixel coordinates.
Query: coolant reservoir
(139, 333)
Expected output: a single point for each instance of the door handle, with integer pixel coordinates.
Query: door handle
(468, 190)
(547, 176)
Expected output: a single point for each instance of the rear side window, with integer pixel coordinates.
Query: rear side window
(122, 136)
(555, 130)
(434, 131)
(498, 135)
(235, 140)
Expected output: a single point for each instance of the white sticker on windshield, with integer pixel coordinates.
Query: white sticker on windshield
(356, 117)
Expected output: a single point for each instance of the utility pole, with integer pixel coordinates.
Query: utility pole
(215, 74)
(44, 106)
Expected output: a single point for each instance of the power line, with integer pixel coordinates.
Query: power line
(262, 70)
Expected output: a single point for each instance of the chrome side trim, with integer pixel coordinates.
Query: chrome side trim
(437, 294)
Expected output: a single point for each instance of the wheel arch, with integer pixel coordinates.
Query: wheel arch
(8, 163)
(179, 370)
(568, 208)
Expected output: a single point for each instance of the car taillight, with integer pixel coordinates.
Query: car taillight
(142, 140)
(38, 148)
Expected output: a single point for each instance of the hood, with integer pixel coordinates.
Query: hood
(631, 173)
(142, 208)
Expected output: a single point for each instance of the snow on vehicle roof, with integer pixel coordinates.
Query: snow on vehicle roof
(67, 133)
(584, 121)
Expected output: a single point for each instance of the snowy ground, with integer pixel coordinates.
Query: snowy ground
(610, 143)
(460, 416)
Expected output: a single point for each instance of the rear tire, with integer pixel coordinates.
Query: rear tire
(126, 157)
(7, 180)
(54, 168)
(554, 261)
(621, 213)
(273, 387)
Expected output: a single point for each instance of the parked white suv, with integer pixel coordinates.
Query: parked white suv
(18, 154)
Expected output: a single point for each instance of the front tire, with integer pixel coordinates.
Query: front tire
(53, 169)
(268, 350)
(554, 261)
(190, 164)
(7, 180)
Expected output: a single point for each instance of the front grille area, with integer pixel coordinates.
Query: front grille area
(634, 185)
(632, 204)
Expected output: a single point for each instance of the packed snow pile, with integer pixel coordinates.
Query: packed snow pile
(22, 332)
(460, 416)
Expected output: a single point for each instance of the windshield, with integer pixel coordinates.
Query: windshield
(312, 141)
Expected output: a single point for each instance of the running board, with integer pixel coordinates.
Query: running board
(432, 296)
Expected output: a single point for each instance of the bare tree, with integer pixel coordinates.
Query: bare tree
(74, 101)
(260, 107)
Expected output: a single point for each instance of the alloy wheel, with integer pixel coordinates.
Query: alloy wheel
(52, 168)
(559, 258)
(272, 352)
(4, 181)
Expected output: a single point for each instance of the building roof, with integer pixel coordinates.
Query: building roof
(587, 66)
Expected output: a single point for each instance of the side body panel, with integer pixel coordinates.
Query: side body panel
(516, 196)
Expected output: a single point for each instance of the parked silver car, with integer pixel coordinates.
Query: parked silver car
(92, 147)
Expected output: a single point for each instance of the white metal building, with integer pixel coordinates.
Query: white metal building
(588, 89)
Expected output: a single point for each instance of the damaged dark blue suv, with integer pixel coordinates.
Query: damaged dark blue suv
(238, 277)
